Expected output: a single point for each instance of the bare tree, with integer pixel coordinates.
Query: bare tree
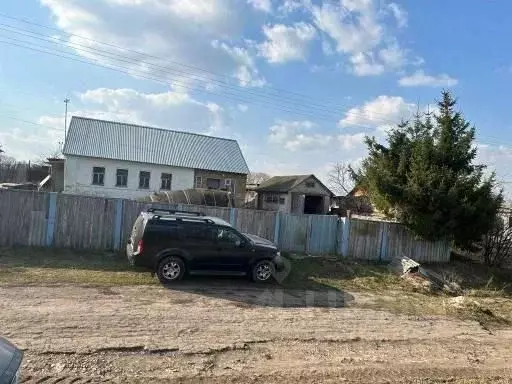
(257, 177)
(498, 245)
(340, 179)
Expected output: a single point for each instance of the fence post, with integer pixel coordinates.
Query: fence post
(118, 223)
(232, 216)
(52, 213)
(277, 228)
(345, 236)
(383, 254)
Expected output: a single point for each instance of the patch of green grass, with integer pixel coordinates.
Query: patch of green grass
(28, 266)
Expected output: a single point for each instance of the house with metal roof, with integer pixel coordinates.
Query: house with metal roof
(297, 194)
(113, 159)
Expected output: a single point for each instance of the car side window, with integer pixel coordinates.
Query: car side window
(228, 236)
(199, 233)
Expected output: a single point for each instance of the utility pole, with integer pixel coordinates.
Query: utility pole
(66, 101)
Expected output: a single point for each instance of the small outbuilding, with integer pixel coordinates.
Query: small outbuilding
(298, 194)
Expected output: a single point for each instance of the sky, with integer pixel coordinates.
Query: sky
(299, 83)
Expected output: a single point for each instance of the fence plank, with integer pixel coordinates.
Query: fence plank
(260, 223)
(293, 233)
(84, 222)
(322, 239)
(23, 218)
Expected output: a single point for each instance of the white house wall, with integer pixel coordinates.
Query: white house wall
(78, 177)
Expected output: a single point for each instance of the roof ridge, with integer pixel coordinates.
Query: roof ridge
(149, 127)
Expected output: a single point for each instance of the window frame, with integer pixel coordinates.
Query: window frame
(141, 186)
(234, 232)
(200, 178)
(272, 198)
(125, 185)
(213, 178)
(100, 175)
(167, 178)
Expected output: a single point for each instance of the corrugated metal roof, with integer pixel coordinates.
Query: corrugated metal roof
(121, 141)
(282, 183)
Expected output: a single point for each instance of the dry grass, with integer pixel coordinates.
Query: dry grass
(486, 292)
(486, 298)
(29, 266)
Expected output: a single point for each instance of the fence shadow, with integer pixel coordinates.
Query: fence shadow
(248, 294)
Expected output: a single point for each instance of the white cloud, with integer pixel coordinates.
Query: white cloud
(393, 56)
(300, 136)
(246, 71)
(419, 78)
(350, 142)
(242, 107)
(364, 64)
(289, 6)
(32, 142)
(283, 130)
(296, 135)
(261, 5)
(399, 13)
(353, 25)
(176, 30)
(167, 110)
(380, 113)
(286, 43)
(358, 30)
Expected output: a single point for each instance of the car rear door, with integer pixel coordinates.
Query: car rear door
(199, 243)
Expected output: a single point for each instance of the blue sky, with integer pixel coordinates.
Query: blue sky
(298, 82)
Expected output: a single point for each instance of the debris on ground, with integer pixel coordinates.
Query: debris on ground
(424, 277)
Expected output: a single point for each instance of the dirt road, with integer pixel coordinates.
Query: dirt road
(237, 333)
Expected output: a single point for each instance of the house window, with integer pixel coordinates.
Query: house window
(144, 179)
(199, 182)
(227, 183)
(98, 175)
(310, 184)
(121, 178)
(281, 200)
(272, 198)
(166, 181)
(213, 183)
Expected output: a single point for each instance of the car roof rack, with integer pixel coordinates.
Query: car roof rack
(175, 212)
(184, 218)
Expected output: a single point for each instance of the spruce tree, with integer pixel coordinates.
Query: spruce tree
(426, 177)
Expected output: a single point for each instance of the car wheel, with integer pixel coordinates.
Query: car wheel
(170, 269)
(263, 271)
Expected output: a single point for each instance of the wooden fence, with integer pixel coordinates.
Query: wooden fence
(81, 222)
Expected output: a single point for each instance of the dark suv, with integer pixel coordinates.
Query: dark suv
(172, 243)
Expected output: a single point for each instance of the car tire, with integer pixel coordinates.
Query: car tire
(170, 269)
(263, 271)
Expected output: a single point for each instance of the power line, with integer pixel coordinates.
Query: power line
(274, 89)
(29, 122)
(329, 113)
(130, 71)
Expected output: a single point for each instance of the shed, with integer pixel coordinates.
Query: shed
(297, 194)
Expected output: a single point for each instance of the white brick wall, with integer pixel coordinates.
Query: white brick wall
(78, 177)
